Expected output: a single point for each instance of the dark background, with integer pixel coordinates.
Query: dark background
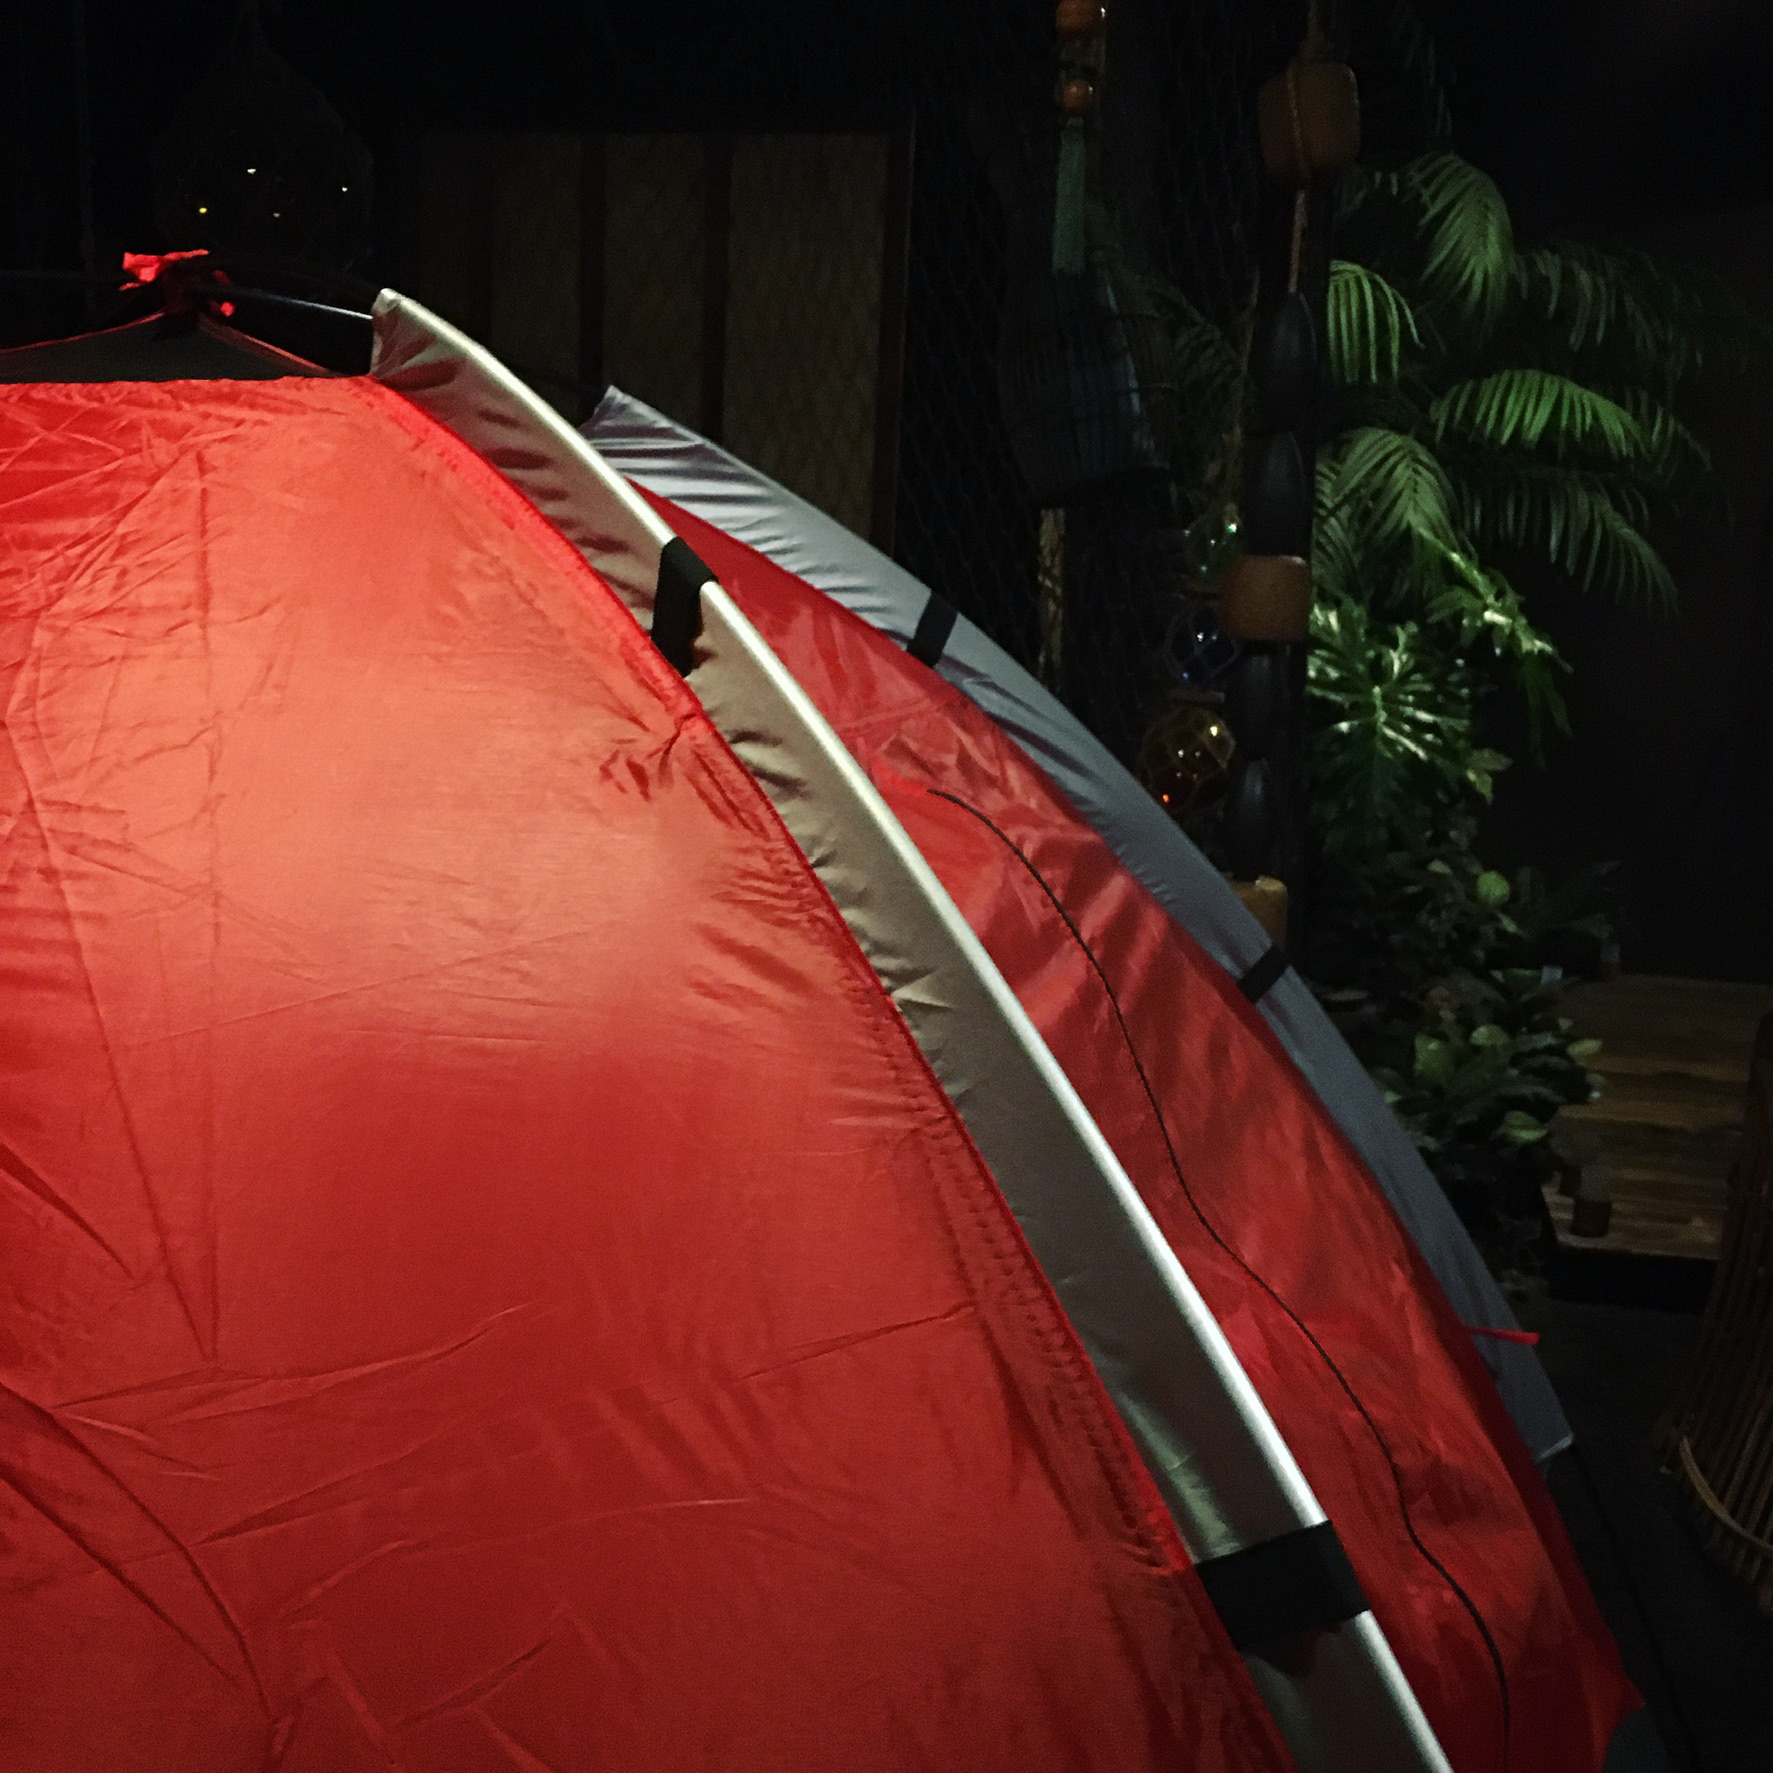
(1629, 121)
(1602, 115)
(1594, 116)
(1648, 122)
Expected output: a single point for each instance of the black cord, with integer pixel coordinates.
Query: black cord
(1670, 1691)
(195, 292)
(228, 292)
(1213, 1232)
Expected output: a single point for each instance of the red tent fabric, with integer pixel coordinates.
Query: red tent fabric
(491, 1282)
(1331, 1310)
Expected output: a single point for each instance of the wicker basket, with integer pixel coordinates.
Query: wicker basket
(1720, 1433)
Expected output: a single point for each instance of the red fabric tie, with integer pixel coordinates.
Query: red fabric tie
(148, 267)
(1529, 1337)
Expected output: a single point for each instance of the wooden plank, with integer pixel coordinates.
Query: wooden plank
(654, 277)
(1675, 1058)
(890, 369)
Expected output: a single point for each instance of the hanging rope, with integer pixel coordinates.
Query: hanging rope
(1313, 47)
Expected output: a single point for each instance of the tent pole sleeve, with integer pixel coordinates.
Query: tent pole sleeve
(1224, 1471)
(1229, 1479)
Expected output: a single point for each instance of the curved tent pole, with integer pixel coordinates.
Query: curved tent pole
(1259, 1539)
(672, 460)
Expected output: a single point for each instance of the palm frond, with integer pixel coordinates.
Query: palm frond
(1582, 525)
(1367, 321)
(1337, 565)
(1525, 408)
(1659, 324)
(1630, 500)
(1571, 289)
(1207, 363)
(1210, 380)
(1388, 488)
(1385, 406)
(1621, 300)
(1620, 558)
(1469, 264)
(1675, 456)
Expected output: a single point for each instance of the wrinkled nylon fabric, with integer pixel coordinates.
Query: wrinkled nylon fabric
(490, 1282)
(746, 504)
(1236, 1142)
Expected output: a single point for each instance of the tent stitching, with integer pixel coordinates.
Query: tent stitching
(850, 572)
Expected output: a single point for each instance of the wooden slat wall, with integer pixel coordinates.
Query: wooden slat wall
(808, 216)
(748, 286)
(654, 271)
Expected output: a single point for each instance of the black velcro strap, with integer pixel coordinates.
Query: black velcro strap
(677, 604)
(1297, 1583)
(1258, 980)
(934, 626)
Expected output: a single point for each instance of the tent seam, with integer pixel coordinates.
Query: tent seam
(1218, 1238)
(1143, 1518)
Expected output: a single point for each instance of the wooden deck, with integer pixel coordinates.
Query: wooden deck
(1675, 1057)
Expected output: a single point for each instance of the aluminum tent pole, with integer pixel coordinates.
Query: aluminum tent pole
(1260, 1542)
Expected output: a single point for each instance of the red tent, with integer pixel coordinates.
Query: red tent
(537, 1237)
(1369, 1376)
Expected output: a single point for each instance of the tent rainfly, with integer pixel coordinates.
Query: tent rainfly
(673, 463)
(578, 1200)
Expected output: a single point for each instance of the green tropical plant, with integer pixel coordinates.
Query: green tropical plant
(1489, 1064)
(1495, 406)
(1447, 977)
(1497, 412)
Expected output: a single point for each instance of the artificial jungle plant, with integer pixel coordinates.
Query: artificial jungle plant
(1496, 409)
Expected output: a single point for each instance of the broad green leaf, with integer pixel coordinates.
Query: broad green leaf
(1492, 890)
(1484, 605)
(1435, 1060)
(1521, 1128)
(1469, 262)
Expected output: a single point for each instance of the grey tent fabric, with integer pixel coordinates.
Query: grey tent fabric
(1637, 1747)
(665, 457)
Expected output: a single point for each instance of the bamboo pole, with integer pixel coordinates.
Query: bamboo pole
(1719, 1434)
